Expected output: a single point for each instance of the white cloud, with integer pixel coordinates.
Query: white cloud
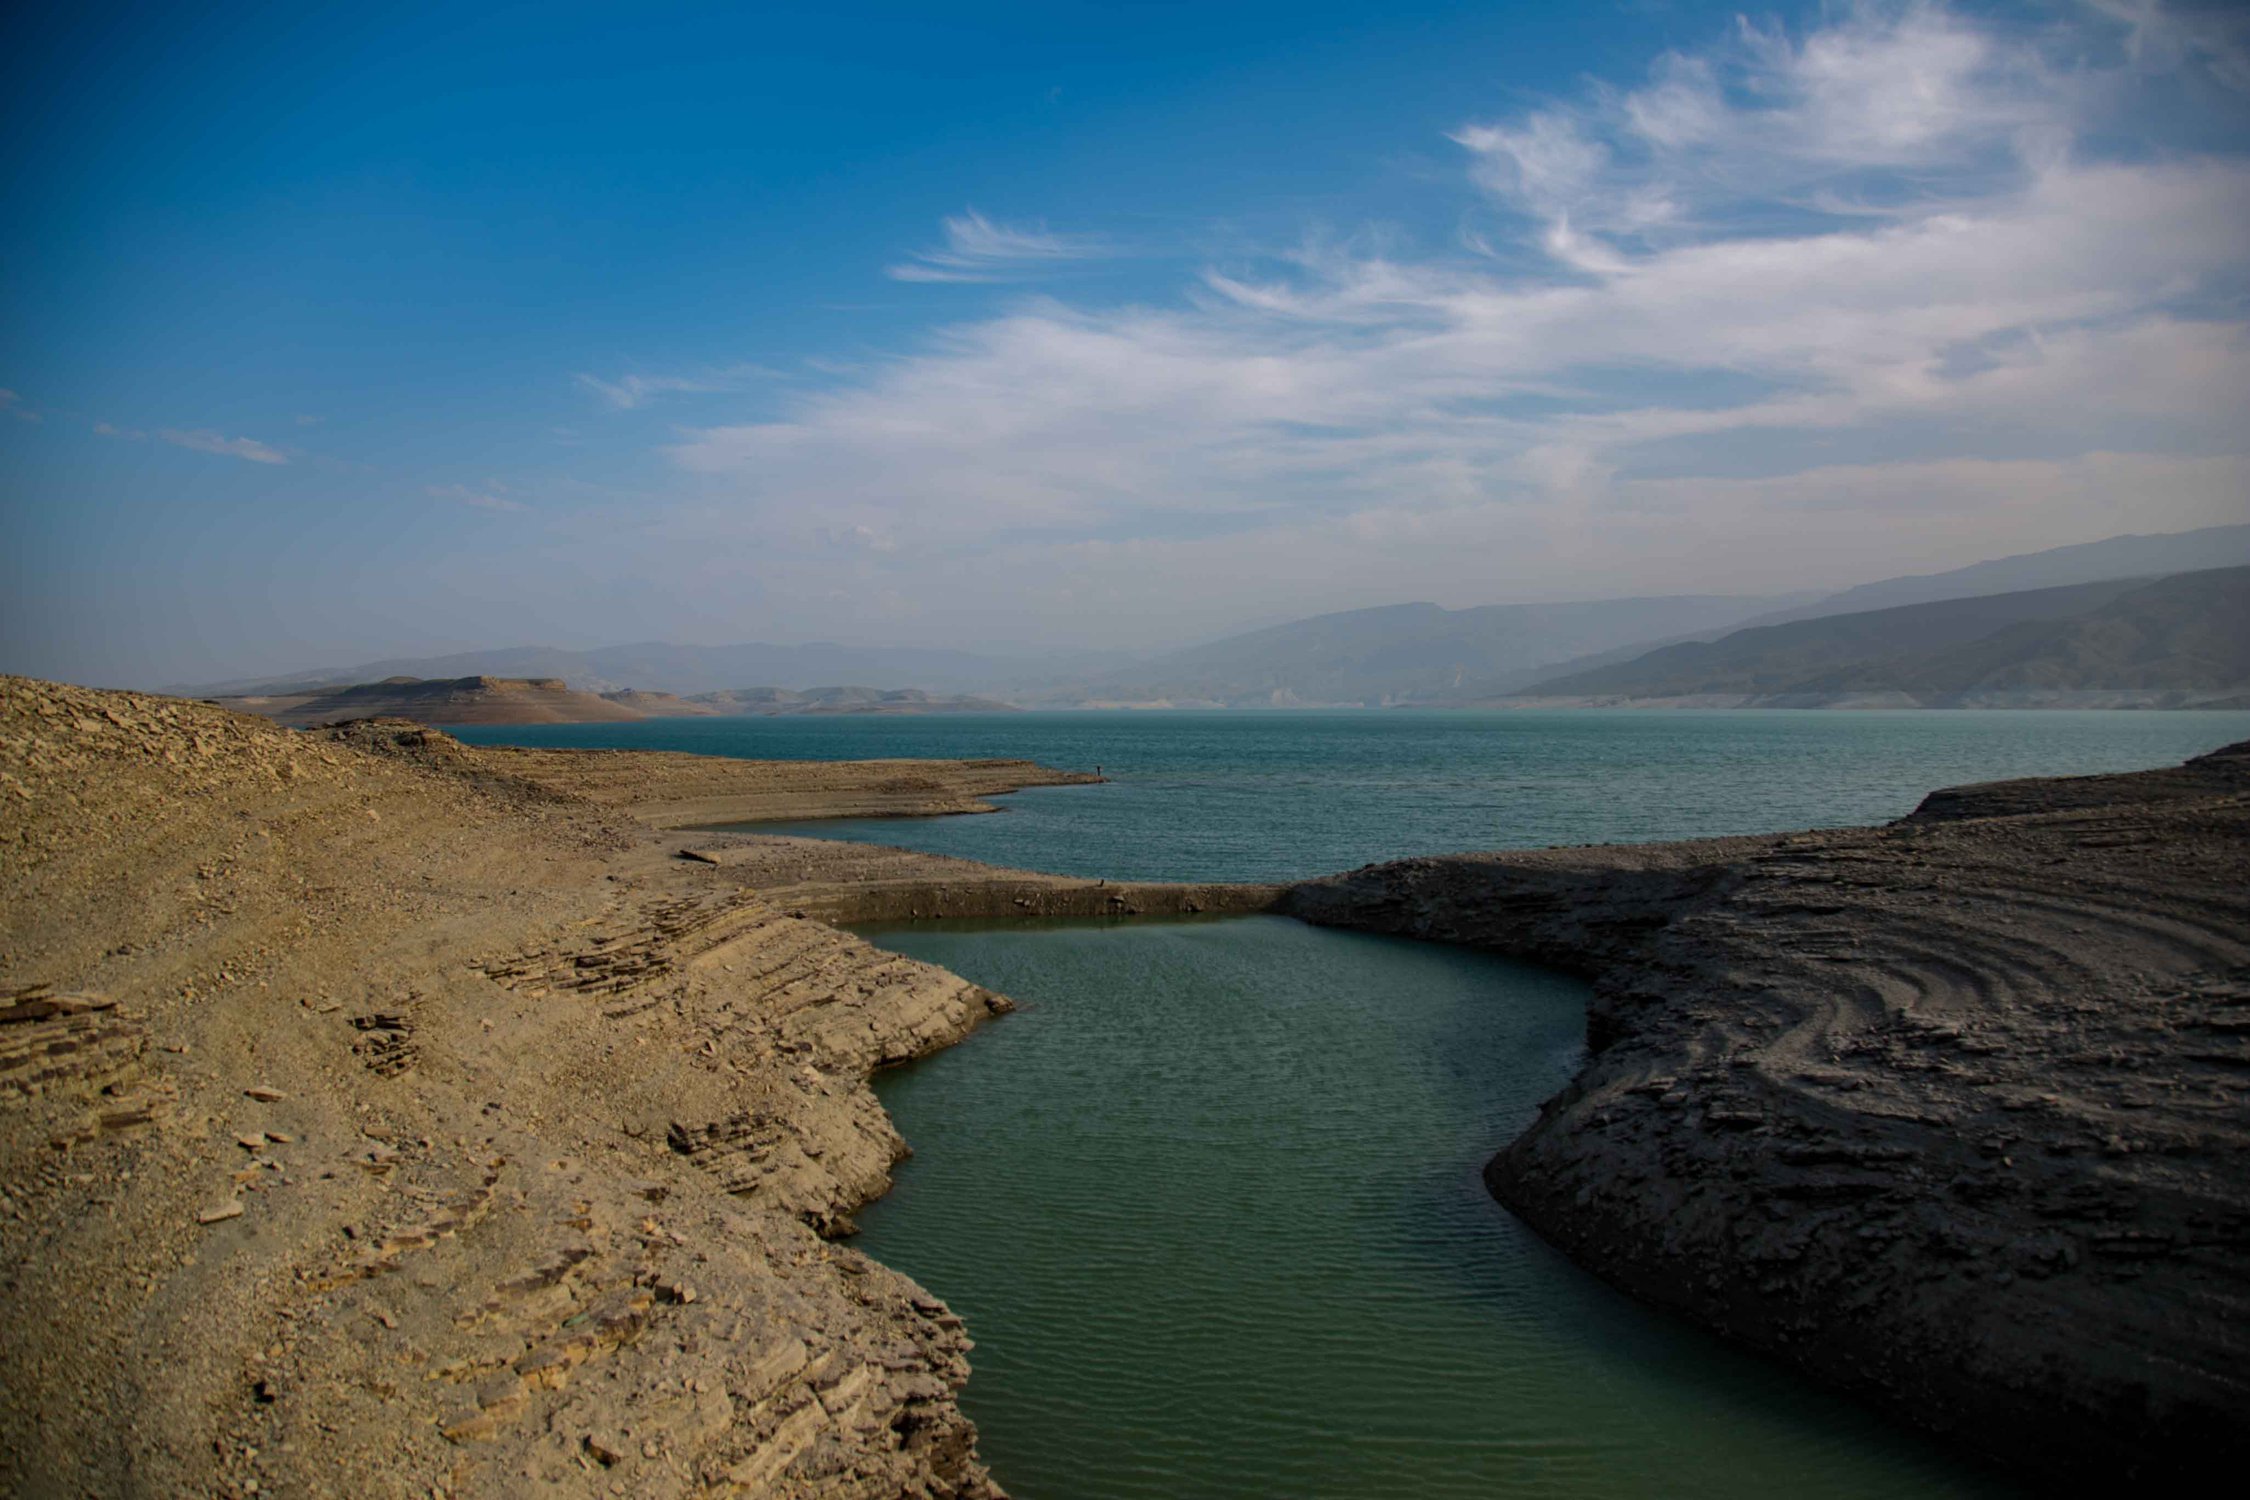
(12, 404)
(2163, 37)
(978, 250)
(628, 391)
(1891, 293)
(204, 440)
(1889, 110)
(491, 495)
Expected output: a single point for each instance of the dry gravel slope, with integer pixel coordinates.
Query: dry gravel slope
(376, 1123)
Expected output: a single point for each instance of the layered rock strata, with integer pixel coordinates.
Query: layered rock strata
(850, 882)
(1954, 1113)
(375, 1121)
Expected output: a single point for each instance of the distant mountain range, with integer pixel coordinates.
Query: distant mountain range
(1404, 654)
(769, 701)
(653, 666)
(2090, 562)
(2181, 641)
(1400, 653)
(550, 700)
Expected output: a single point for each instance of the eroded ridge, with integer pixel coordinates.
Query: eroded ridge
(377, 1122)
(1950, 1112)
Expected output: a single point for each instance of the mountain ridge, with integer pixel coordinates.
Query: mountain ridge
(2176, 641)
(1406, 654)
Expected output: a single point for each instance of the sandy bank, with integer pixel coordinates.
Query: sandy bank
(1950, 1113)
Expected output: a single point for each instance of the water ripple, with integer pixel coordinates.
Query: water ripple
(1212, 1210)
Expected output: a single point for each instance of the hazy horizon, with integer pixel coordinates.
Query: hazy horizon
(332, 339)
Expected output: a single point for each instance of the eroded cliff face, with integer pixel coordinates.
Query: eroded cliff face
(1950, 1113)
(375, 1122)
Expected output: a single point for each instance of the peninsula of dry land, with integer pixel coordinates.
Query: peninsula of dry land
(1953, 1113)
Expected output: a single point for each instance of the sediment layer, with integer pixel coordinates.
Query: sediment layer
(852, 883)
(1950, 1113)
(381, 1117)
(670, 789)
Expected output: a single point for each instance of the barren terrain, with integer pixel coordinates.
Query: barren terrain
(1950, 1112)
(375, 1120)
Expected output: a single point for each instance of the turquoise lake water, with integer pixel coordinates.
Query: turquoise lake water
(1210, 1200)
(1285, 795)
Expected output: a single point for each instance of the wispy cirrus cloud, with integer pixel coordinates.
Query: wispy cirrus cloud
(975, 249)
(204, 440)
(491, 495)
(1899, 255)
(2163, 36)
(12, 404)
(635, 389)
(1887, 111)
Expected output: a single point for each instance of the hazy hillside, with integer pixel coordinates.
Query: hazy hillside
(659, 705)
(455, 700)
(844, 700)
(548, 700)
(2088, 562)
(2189, 633)
(1404, 652)
(654, 666)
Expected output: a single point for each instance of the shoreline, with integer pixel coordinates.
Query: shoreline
(323, 910)
(668, 789)
(1946, 1113)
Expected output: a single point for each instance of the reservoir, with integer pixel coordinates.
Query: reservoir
(1290, 794)
(1210, 1201)
(1210, 1204)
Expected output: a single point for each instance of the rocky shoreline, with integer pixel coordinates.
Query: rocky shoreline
(380, 1118)
(1949, 1113)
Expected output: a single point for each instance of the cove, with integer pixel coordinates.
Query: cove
(1210, 1204)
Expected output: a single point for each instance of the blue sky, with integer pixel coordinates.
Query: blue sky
(334, 333)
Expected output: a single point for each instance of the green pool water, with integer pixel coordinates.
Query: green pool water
(1210, 1204)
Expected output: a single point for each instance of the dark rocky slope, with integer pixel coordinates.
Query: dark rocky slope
(2170, 642)
(1950, 1113)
